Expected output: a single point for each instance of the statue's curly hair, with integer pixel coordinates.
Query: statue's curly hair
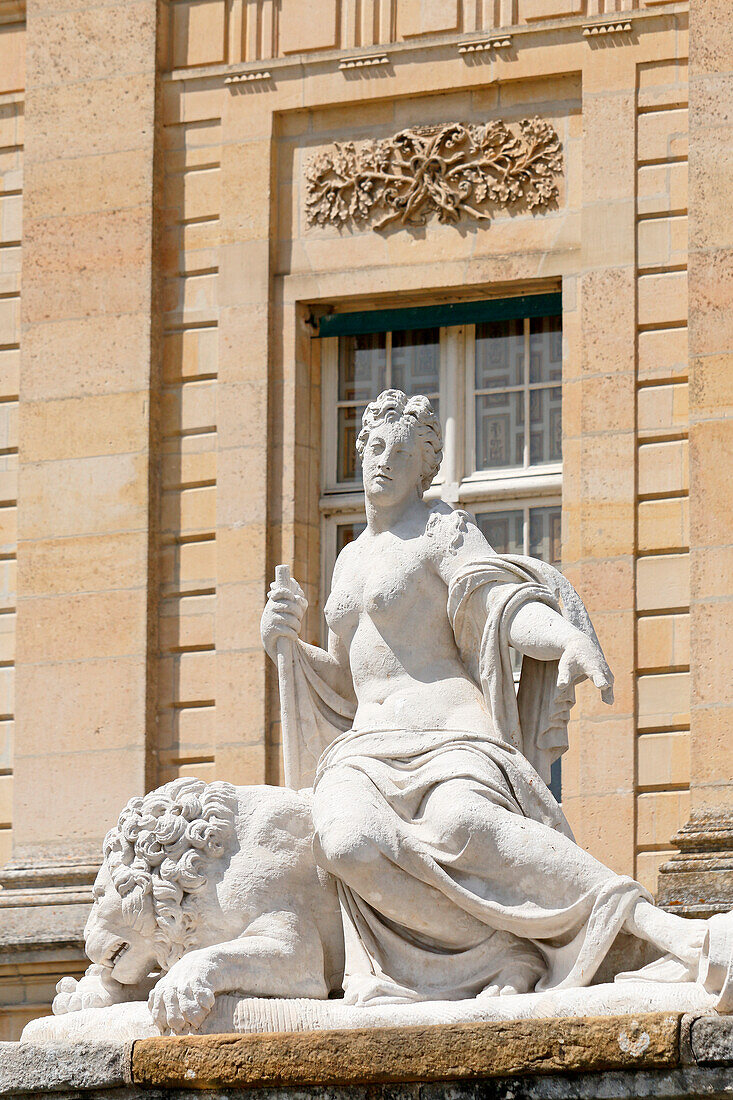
(394, 405)
(162, 847)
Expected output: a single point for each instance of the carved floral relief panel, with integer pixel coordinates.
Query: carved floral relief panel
(448, 171)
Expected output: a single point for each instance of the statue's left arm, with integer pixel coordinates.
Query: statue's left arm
(534, 628)
(538, 631)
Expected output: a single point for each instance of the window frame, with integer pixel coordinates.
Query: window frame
(458, 483)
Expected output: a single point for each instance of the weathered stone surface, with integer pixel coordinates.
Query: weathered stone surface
(711, 1039)
(409, 1054)
(674, 1084)
(56, 1067)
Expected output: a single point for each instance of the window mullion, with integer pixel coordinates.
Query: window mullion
(388, 361)
(450, 409)
(469, 399)
(526, 393)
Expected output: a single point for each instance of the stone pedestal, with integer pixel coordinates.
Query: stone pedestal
(698, 881)
(653, 1055)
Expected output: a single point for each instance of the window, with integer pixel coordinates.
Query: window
(495, 381)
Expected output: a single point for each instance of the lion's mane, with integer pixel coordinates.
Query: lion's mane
(162, 847)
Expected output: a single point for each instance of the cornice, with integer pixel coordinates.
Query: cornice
(393, 54)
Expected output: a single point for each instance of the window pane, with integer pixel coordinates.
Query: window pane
(499, 430)
(556, 779)
(346, 533)
(545, 419)
(499, 354)
(503, 530)
(349, 426)
(416, 361)
(362, 366)
(545, 349)
(545, 539)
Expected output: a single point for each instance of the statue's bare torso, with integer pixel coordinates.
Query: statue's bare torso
(388, 609)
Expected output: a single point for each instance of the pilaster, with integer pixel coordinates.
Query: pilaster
(699, 880)
(86, 479)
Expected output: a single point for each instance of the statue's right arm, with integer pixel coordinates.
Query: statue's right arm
(282, 618)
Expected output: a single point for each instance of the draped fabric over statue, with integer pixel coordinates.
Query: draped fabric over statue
(445, 902)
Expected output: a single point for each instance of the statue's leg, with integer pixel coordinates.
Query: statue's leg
(676, 936)
(359, 841)
(466, 860)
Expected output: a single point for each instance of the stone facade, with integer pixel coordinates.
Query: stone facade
(161, 400)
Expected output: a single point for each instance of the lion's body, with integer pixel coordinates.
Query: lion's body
(217, 887)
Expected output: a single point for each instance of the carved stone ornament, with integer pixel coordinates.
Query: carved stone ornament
(449, 170)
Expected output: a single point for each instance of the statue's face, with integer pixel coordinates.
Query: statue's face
(392, 462)
(114, 940)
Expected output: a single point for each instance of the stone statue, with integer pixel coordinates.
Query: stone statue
(419, 837)
(457, 872)
(205, 889)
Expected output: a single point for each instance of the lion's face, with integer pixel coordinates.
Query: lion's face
(119, 935)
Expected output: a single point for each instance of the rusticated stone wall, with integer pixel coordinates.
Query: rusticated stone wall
(170, 389)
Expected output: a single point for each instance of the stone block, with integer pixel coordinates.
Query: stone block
(12, 58)
(53, 1067)
(663, 524)
(74, 47)
(663, 298)
(114, 110)
(662, 410)
(84, 496)
(663, 641)
(318, 32)
(87, 184)
(663, 759)
(662, 353)
(662, 242)
(189, 407)
(373, 1055)
(88, 705)
(62, 359)
(663, 700)
(189, 511)
(663, 468)
(89, 563)
(84, 426)
(663, 581)
(416, 17)
(6, 800)
(662, 135)
(197, 35)
(589, 817)
(660, 815)
(187, 677)
(189, 354)
(548, 9)
(712, 1041)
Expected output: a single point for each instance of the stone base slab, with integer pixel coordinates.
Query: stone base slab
(655, 1054)
(234, 1014)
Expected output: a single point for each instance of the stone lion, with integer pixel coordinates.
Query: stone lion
(206, 889)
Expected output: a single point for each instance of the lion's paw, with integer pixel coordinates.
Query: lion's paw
(94, 990)
(183, 998)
